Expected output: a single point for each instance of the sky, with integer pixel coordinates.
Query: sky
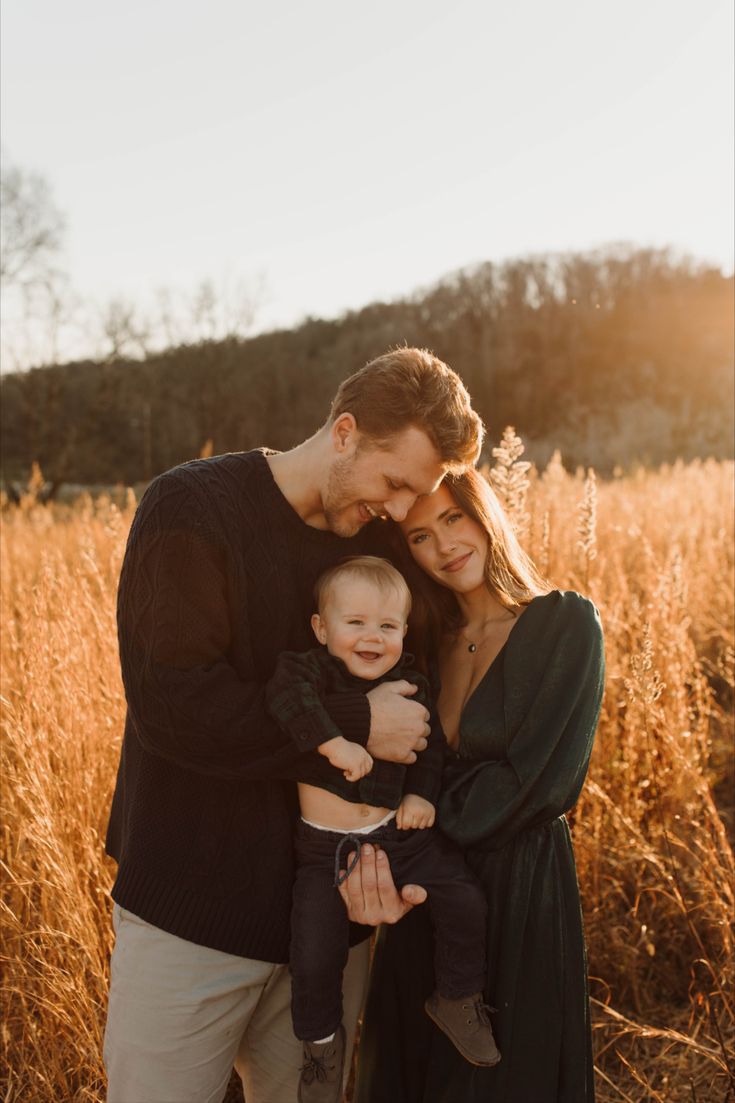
(343, 153)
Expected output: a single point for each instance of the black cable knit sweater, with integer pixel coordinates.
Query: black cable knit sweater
(217, 581)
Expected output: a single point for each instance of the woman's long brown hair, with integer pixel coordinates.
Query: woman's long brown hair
(510, 574)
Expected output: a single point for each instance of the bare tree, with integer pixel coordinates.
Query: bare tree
(45, 321)
(125, 331)
(211, 312)
(208, 313)
(39, 308)
(31, 228)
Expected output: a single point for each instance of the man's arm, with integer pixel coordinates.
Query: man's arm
(186, 701)
(423, 779)
(370, 895)
(297, 697)
(398, 726)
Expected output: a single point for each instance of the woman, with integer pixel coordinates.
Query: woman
(520, 671)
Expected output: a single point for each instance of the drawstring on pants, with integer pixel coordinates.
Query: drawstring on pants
(352, 861)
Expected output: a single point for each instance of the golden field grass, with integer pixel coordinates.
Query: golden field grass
(654, 549)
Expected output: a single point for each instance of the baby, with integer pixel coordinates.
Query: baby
(345, 799)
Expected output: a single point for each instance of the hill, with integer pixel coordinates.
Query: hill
(616, 356)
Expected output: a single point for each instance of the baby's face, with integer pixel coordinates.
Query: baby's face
(363, 625)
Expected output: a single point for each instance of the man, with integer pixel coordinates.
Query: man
(216, 583)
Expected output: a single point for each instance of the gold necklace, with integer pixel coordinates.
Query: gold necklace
(471, 645)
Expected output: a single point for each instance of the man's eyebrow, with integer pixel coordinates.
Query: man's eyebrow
(440, 517)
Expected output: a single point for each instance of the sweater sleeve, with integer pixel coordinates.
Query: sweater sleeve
(423, 777)
(553, 692)
(295, 698)
(186, 701)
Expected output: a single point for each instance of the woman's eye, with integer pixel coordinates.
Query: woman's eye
(453, 517)
(419, 539)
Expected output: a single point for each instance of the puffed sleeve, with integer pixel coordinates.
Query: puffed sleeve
(553, 674)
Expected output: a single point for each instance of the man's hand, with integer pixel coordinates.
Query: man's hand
(398, 727)
(352, 759)
(370, 895)
(415, 811)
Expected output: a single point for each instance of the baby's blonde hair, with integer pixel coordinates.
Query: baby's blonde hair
(368, 568)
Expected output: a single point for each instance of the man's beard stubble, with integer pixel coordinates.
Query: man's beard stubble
(338, 497)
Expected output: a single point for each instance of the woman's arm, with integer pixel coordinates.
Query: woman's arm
(553, 691)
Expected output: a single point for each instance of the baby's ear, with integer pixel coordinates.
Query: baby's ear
(405, 628)
(319, 630)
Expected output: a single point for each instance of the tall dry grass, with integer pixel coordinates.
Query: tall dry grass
(653, 549)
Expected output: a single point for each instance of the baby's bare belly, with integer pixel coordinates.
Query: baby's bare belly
(329, 810)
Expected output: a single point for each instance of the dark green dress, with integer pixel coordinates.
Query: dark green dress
(524, 745)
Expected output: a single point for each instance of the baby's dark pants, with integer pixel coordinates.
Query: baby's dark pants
(320, 927)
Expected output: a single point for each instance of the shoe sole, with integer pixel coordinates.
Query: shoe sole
(458, 1046)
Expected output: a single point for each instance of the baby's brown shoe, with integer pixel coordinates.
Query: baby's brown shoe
(466, 1022)
(321, 1072)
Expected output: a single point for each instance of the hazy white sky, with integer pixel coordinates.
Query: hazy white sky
(357, 151)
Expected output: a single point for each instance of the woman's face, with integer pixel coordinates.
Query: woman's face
(447, 544)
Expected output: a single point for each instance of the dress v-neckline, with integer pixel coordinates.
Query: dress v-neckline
(490, 666)
(485, 673)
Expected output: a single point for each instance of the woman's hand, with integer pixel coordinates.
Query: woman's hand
(370, 895)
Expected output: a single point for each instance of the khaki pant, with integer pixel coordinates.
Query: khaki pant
(180, 1016)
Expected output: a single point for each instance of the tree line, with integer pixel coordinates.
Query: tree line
(616, 356)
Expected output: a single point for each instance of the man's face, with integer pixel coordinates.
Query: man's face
(366, 482)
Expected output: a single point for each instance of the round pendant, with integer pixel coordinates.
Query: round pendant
(472, 648)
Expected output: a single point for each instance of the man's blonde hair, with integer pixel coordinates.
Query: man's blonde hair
(412, 387)
(366, 568)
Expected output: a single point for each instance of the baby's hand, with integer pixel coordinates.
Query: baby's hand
(352, 759)
(414, 811)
